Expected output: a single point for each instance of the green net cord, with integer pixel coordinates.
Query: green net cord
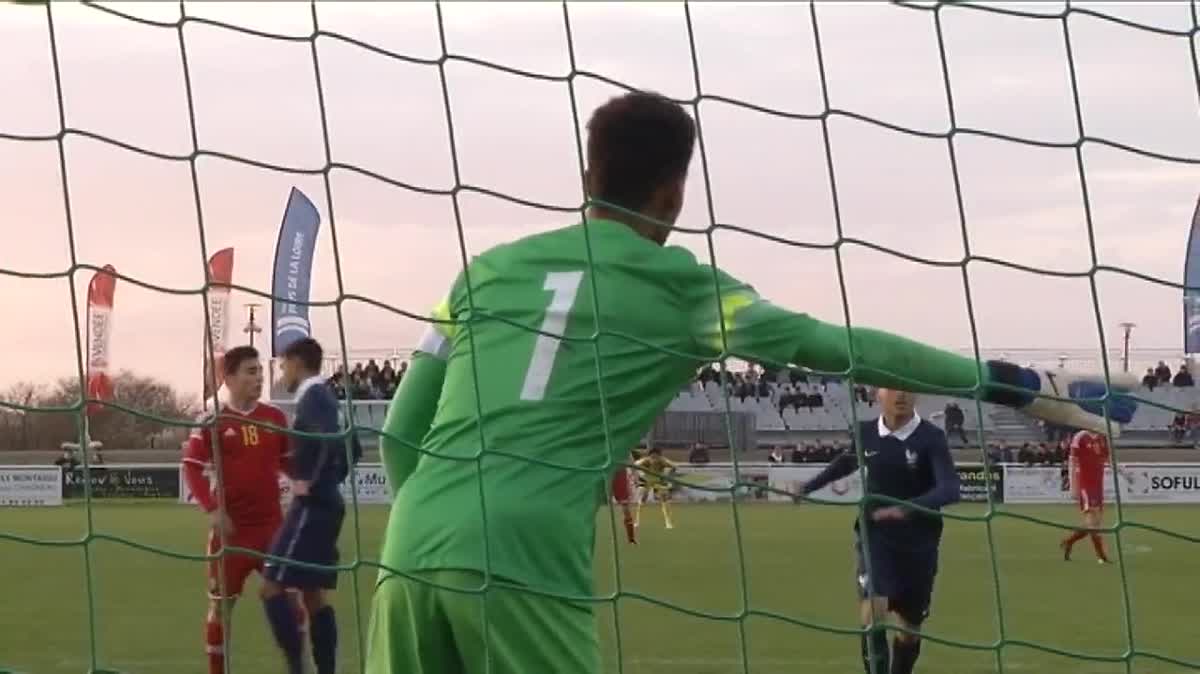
(745, 610)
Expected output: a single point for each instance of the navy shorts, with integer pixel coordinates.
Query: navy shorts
(309, 534)
(901, 573)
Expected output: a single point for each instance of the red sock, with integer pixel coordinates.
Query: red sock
(1075, 537)
(214, 640)
(1098, 544)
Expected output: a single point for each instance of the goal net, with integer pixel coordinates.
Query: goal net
(971, 174)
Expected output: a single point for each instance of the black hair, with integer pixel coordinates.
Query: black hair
(308, 351)
(236, 356)
(637, 143)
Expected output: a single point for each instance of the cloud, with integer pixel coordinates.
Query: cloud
(257, 98)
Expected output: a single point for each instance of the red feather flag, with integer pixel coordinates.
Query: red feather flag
(220, 277)
(101, 290)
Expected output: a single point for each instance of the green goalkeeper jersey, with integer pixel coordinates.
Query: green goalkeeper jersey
(520, 430)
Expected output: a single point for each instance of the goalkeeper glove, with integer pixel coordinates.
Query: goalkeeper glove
(1079, 405)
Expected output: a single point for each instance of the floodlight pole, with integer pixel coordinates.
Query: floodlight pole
(252, 328)
(1128, 328)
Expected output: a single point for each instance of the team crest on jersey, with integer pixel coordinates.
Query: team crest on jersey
(229, 433)
(910, 457)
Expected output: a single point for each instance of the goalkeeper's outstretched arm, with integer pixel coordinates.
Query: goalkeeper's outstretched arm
(740, 323)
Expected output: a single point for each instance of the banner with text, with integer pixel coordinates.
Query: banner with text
(124, 480)
(973, 482)
(1139, 483)
(369, 478)
(31, 486)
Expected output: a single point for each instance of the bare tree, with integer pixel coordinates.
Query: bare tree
(16, 427)
(156, 412)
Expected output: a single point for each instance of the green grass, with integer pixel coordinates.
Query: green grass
(149, 608)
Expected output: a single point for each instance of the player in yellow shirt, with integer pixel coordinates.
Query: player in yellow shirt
(653, 470)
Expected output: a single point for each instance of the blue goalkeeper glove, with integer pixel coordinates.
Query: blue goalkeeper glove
(1080, 406)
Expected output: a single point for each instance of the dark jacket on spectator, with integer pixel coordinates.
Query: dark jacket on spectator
(1163, 372)
(1183, 378)
(1150, 380)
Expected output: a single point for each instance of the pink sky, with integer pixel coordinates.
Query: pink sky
(256, 98)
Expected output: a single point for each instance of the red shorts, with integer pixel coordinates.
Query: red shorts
(1090, 499)
(237, 567)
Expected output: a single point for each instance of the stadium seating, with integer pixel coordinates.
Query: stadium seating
(1150, 426)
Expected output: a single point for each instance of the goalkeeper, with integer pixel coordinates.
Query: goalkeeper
(487, 558)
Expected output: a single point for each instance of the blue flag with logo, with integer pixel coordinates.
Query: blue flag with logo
(293, 272)
(1191, 293)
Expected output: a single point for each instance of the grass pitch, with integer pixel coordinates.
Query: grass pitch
(687, 586)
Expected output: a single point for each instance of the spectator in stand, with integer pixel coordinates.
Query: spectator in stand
(1193, 424)
(337, 383)
(1043, 455)
(67, 461)
(763, 389)
(1059, 453)
(1178, 428)
(797, 455)
(789, 397)
(388, 382)
(1163, 372)
(360, 388)
(815, 400)
(993, 453)
(1183, 378)
(775, 456)
(372, 370)
(357, 372)
(374, 388)
(1150, 380)
(699, 454)
(742, 389)
(709, 373)
(955, 421)
(1006, 454)
(1026, 456)
(402, 371)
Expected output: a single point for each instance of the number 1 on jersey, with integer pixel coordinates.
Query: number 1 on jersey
(565, 286)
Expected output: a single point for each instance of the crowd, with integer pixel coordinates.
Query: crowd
(1029, 454)
(1161, 376)
(783, 388)
(368, 382)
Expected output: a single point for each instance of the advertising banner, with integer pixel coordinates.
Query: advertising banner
(973, 483)
(370, 479)
(125, 480)
(1139, 483)
(31, 486)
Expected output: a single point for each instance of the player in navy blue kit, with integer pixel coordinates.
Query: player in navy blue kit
(314, 520)
(897, 547)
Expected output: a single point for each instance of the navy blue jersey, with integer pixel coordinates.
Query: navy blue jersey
(321, 461)
(917, 468)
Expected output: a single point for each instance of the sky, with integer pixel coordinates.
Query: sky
(257, 98)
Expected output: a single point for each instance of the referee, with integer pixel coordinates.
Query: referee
(907, 459)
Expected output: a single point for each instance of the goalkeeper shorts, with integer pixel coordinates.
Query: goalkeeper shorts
(417, 628)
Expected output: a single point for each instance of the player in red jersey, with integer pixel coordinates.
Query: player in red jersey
(250, 457)
(622, 492)
(1089, 456)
